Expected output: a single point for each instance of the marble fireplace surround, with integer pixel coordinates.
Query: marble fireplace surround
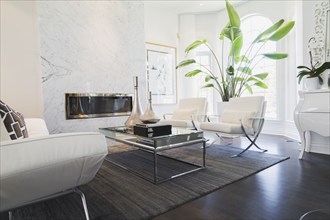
(89, 47)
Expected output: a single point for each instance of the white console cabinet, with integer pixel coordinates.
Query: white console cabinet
(312, 114)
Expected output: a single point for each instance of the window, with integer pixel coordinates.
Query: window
(250, 32)
(203, 57)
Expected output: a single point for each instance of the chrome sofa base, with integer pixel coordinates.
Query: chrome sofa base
(75, 190)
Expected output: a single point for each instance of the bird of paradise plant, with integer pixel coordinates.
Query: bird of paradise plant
(237, 76)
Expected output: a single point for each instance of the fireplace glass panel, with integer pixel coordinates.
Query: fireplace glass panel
(97, 105)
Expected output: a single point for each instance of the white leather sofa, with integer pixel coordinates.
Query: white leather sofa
(43, 166)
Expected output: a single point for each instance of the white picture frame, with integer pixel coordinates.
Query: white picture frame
(161, 73)
(327, 37)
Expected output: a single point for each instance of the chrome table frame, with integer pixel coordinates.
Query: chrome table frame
(155, 150)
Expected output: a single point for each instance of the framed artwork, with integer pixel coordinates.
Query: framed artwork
(161, 73)
(327, 38)
(319, 46)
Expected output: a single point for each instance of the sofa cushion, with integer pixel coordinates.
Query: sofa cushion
(36, 127)
(13, 122)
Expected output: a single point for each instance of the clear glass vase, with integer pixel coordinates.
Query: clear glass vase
(149, 115)
(136, 113)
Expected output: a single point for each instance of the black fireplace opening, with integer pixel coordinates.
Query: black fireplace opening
(94, 105)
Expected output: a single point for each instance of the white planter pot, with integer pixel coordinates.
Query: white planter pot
(221, 106)
(311, 83)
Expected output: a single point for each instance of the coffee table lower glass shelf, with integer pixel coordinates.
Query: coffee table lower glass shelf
(149, 160)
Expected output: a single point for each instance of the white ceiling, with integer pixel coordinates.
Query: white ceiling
(197, 6)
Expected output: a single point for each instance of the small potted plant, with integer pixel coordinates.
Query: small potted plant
(313, 73)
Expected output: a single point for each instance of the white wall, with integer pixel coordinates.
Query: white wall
(89, 46)
(20, 58)
(161, 27)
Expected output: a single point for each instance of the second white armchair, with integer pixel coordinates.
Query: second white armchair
(244, 116)
(187, 108)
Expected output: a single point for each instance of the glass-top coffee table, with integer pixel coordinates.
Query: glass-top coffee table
(151, 148)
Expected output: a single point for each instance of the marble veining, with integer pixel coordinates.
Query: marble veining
(52, 70)
(89, 46)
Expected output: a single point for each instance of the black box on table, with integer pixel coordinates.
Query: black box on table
(152, 130)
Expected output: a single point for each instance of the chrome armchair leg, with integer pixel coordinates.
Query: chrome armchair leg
(210, 144)
(253, 142)
(10, 215)
(83, 199)
(237, 155)
(223, 140)
(219, 137)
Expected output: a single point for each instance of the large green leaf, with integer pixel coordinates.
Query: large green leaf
(237, 46)
(194, 45)
(255, 79)
(275, 56)
(225, 32)
(243, 59)
(261, 75)
(208, 78)
(238, 79)
(230, 32)
(284, 30)
(261, 85)
(210, 85)
(185, 63)
(234, 19)
(248, 87)
(193, 73)
(264, 35)
(246, 70)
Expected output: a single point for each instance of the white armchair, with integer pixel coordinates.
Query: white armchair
(244, 116)
(44, 166)
(187, 108)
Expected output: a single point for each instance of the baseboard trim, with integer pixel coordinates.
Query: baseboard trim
(287, 129)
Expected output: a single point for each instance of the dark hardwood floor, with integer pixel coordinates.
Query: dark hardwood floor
(284, 191)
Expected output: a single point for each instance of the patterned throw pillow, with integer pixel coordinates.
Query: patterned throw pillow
(13, 122)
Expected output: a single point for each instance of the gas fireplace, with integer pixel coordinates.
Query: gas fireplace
(94, 105)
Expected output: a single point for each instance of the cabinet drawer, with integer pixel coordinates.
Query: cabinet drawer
(317, 122)
(316, 102)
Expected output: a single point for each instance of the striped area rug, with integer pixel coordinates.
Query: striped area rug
(116, 193)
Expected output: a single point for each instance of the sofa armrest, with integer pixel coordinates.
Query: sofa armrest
(32, 168)
(32, 153)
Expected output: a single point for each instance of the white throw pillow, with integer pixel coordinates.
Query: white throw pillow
(234, 117)
(184, 114)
